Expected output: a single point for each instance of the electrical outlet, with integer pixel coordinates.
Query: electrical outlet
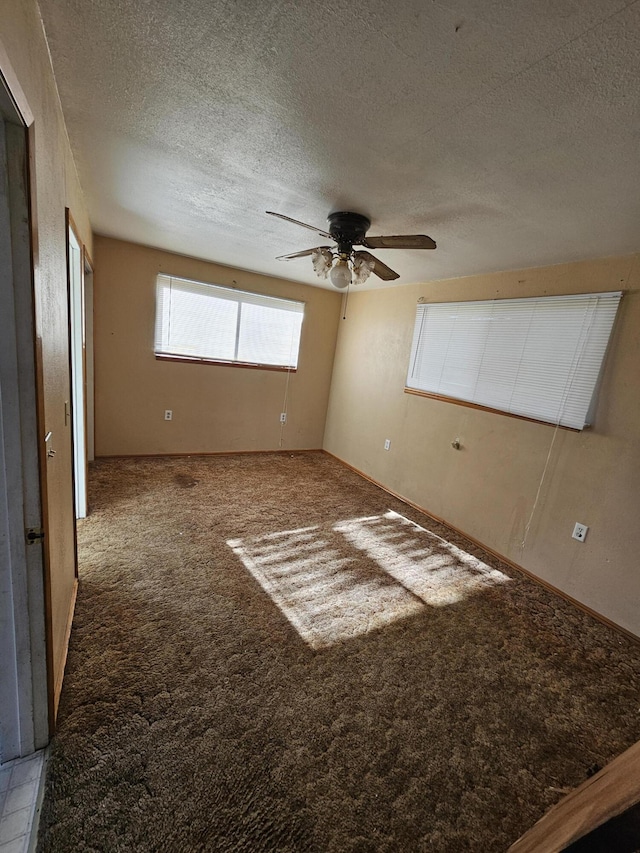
(580, 531)
(168, 414)
(387, 444)
(283, 417)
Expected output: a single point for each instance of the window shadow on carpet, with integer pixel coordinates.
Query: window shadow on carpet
(333, 582)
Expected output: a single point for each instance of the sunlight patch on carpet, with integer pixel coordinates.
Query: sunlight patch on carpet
(436, 571)
(319, 580)
(321, 587)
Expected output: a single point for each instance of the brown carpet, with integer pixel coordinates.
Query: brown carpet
(271, 654)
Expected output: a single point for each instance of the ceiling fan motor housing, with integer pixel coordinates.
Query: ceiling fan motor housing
(348, 230)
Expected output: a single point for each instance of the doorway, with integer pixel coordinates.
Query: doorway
(24, 673)
(78, 348)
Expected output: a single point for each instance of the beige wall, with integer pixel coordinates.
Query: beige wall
(215, 408)
(488, 488)
(24, 62)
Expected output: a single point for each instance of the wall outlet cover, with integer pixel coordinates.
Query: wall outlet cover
(580, 531)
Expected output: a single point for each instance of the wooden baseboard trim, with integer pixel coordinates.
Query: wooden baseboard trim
(280, 450)
(585, 608)
(65, 649)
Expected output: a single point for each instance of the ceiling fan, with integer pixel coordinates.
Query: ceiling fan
(341, 263)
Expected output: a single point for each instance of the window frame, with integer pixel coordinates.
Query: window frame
(234, 295)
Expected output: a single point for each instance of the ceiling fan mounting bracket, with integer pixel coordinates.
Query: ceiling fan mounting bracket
(348, 229)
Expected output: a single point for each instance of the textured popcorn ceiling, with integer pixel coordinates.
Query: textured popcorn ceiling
(507, 131)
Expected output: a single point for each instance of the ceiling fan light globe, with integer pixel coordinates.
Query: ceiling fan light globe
(340, 275)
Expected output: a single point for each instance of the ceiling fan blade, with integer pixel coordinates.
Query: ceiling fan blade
(408, 241)
(304, 225)
(302, 254)
(378, 268)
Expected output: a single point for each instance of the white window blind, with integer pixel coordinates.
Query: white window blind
(212, 323)
(538, 358)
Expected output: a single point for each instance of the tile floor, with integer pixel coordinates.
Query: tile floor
(19, 801)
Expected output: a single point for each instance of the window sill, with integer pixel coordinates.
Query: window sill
(244, 364)
(470, 405)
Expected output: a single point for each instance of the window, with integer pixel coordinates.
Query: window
(534, 358)
(205, 322)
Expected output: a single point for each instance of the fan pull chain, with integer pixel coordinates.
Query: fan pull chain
(344, 304)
